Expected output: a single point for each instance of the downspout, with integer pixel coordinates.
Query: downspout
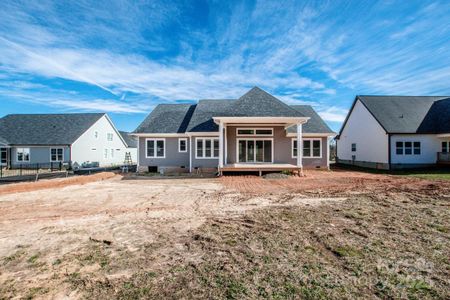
(389, 152)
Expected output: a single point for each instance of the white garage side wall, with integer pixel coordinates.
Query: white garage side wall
(370, 138)
(133, 152)
(89, 148)
(429, 146)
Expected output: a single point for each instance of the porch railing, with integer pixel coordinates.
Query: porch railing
(443, 157)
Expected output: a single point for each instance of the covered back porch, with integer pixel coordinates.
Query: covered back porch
(259, 144)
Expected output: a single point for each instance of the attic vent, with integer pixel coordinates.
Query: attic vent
(401, 116)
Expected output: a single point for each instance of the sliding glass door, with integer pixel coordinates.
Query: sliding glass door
(254, 150)
(3, 156)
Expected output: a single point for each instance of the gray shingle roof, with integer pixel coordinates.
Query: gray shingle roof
(408, 114)
(255, 103)
(130, 140)
(314, 125)
(3, 142)
(167, 118)
(46, 129)
(202, 121)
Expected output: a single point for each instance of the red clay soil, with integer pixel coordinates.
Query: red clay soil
(52, 183)
(328, 182)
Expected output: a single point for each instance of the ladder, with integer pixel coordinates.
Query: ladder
(128, 160)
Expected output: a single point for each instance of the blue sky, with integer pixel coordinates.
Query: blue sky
(124, 58)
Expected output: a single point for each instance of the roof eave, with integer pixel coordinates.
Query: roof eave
(261, 120)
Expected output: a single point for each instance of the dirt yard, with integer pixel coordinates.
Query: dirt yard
(339, 234)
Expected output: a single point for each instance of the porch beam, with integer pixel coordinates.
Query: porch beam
(299, 147)
(220, 145)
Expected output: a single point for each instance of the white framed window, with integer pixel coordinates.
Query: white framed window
(56, 154)
(353, 147)
(3, 156)
(23, 154)
(155, 148)
(312, 148)
(105, 153)
(408, 148)
(109, 137)
(182, 145)
(206, 148)
(445, 147)
(96, 134)
(254, 131)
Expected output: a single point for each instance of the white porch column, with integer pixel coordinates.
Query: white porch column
(299, 147)
(328, 152)
(191, 152)
(220, 145)
(226, 144)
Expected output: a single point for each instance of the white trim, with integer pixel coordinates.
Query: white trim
(157, 135)
(186, 145)
(312, 135)
(299, 140)
(220, 145)
(137, 154)
(56, 154)
(254, 139)
(202, 134)
(204, 148)
(261, 120)
(412, 147)
(155, 147)
(190, 154)
(254, 131)
(303, 140)
(328, 153)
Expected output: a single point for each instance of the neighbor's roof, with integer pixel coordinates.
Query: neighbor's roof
(46, 129)
(315, 123)
(409, 114)
(129, 139)
(167, 118)
(255, 103)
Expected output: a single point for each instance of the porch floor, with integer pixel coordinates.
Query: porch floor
(258, 167)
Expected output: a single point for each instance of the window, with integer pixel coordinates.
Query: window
(254, 131)
(182, 145)
(105, 153)
(3, 156)
(23, 154)
(155, 148)
(416, 148)
(354, 147)
(96, 134)
(207, 148)
(56, 154)
(109, 137)
(311, 148)
(407, 148)
(399, 148)
(112, 153)
(445, 147)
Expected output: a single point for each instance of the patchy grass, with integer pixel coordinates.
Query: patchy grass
(392, 249)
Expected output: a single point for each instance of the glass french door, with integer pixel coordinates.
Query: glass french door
(254, 151)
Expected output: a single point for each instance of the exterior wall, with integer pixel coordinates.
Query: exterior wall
(89, 148)
(173, 159)
(38, 154)
(282, 147)
(371, 140)
(133, 153)
(430, 145)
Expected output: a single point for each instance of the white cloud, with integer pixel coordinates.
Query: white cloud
(333, 114)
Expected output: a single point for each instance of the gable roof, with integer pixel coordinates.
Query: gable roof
(129, 139)
(3, 142)
(46, 129)
(406, 114)
(258, 103)
(167, 118)
(315, 123)
(255, 103)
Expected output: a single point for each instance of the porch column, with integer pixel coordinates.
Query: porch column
(299, 147)
(328, 152)
(220, 145)
(226, 144)
(191, 152)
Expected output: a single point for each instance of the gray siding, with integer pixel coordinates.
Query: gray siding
(173, 159)
(39, 155)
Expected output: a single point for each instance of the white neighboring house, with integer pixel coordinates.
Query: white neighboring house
(394, 132)
(62, 138)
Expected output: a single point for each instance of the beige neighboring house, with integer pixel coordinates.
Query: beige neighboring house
(256, 132)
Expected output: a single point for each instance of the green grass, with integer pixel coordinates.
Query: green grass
(429, 174)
